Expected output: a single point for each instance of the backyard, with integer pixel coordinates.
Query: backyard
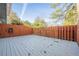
(38, 29)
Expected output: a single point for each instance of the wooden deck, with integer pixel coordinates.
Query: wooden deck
(32, 45)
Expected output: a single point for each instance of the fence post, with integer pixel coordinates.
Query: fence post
(59, 32)
(75, 33)
(68, 31)
(65, 32)
(78, 34)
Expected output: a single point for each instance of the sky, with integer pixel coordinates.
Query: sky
(30, 11)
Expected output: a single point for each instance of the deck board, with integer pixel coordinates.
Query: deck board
(33, 45)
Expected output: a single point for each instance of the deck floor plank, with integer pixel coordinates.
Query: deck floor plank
(33, 45)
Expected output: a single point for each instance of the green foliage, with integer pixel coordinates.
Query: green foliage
(17, 22)
(14, 19)
(27, 22)
(54, 5)
(39, 23)
(57, 13)
(58, 10)
(71, 17)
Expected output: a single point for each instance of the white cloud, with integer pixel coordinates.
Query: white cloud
(23, 10)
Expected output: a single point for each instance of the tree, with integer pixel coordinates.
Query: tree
(54, 5)
(39, 23)
(14, 19)
(77, 13)
(27, 23)
(17, 22)
(57, 12)
(71, 16)
(66, 12)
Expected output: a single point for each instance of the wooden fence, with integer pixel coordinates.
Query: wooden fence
(60, 32)
(7, 30)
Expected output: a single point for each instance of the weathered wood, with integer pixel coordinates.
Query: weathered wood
(33, 45)
(61, 32)
(16, 30)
